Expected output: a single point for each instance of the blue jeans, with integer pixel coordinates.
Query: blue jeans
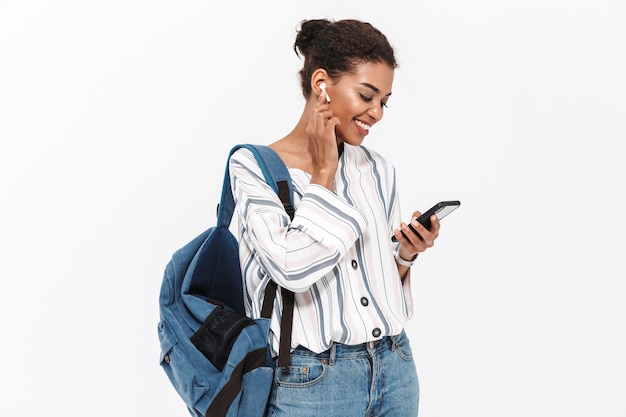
(375, 379)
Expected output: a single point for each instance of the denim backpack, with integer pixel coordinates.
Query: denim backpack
(217, 358)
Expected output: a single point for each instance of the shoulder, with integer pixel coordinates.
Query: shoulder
(243, 159)
(241, 154)
(242, 165)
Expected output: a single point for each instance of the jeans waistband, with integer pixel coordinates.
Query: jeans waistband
(342, 351)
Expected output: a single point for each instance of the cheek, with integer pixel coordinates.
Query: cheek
(346, 112)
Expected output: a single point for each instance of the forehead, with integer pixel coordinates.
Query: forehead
(377, 74)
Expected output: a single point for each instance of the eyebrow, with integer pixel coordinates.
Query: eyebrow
(370, 86)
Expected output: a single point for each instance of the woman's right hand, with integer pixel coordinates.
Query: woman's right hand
(323, 143)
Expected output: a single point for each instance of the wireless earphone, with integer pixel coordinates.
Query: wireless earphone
(323, 88)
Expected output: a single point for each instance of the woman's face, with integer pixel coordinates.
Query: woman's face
(358, 99)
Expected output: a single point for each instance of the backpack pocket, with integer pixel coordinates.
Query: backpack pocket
(186, 368)
(216, 336)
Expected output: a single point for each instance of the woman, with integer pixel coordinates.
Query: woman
(350, 355)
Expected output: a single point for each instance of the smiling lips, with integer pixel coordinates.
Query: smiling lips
(362, 125)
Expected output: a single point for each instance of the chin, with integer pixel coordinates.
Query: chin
(353, 141)
(353, 138)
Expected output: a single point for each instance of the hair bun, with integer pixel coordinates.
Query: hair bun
(308, 35)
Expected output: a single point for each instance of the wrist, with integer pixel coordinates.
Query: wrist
(403, 261)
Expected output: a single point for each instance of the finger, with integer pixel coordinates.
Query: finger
(435, 225)
(321, 101)
(427, 237)
(321, 98)
(322, 128)
(317, 122)
(416, 227)
(332, 123)
(411, 234)
(409, 242)
(403, 239)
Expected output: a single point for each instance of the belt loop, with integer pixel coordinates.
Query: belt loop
(333, 354)
(394, 342)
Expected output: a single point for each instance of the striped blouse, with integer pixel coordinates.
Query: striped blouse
(336, 254)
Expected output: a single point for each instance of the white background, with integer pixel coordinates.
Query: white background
(115, 121)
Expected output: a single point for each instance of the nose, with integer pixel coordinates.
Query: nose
(375, 113)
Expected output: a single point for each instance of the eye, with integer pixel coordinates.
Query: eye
(367, 99)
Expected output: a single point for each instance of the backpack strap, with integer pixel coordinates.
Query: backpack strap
(277, 176)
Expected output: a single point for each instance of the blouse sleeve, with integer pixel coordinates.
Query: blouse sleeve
(296, 253)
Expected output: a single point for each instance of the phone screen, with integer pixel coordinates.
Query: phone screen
(444, 211)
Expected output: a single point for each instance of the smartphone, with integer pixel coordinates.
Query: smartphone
(441, 210)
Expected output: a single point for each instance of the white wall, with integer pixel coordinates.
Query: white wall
(115, 120)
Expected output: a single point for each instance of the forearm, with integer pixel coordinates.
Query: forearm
(296, 253)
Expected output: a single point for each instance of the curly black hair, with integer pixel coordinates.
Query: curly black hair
(339, 46)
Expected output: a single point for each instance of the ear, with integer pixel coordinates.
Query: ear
(319, 76)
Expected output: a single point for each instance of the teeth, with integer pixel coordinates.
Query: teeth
(362, 125)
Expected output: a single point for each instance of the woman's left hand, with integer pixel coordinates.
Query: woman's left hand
(412, 244)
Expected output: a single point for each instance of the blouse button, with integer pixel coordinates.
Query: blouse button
(364, 301)
(354, 264)
(376, 332)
